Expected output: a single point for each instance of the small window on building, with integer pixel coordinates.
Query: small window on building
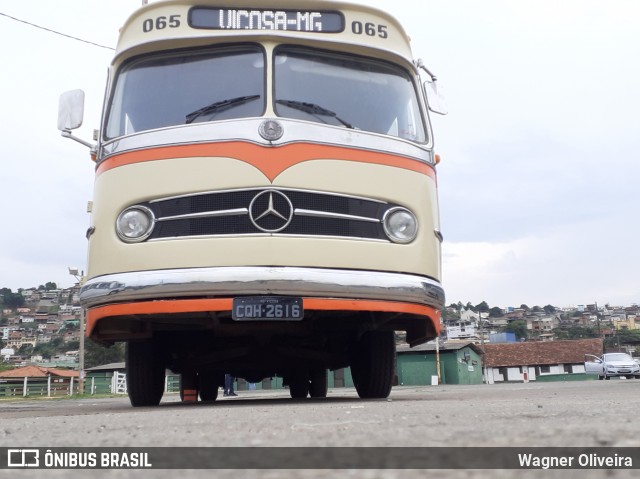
(545, 369)
(568, 368)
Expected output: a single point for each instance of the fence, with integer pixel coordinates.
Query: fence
(52, 386)
(48, 386)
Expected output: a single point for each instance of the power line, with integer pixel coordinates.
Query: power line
(56, 32)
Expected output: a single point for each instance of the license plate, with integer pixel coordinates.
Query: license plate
(269, 308)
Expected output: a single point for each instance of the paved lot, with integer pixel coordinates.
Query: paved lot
(589, 413)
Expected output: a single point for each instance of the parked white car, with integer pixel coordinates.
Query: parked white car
(612, 364)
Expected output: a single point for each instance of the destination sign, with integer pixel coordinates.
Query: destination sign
(268, 20)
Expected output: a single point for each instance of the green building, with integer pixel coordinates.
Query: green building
(460, 363)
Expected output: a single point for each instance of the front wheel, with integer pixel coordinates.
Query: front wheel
(298, 385)
(372, 366)
(318, 386)
(209, 385)
(145, 373)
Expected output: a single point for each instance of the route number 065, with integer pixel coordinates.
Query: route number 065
(160, 23)
(369, 29)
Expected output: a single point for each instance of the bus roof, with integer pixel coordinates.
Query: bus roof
(171, 24)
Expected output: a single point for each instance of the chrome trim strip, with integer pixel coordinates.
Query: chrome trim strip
(246, 129)
(328, 214)
(207, 214)
(211, 236)
(261, 280)
(266, 235)
(261, 188)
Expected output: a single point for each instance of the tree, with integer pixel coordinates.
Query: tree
(53, 347)
(495, 312)
(519, 328)
(623, 337)
(549, 309)
(10, 299)
(50, 285)
(26, 349)
(575, 332)
(446, 315)
(525, 307)
(95, 354)
(457, 306)
(482, 307)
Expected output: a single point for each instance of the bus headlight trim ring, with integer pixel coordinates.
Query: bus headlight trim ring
(400, 225)
(135, 224)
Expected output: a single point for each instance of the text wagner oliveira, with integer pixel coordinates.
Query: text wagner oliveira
(580, 461)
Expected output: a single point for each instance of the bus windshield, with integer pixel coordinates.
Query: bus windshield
(346, 90)
(175, 89)
(179, 88)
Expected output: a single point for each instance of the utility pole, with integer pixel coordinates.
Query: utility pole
(79, 275)
(438, 358)
(484, 367)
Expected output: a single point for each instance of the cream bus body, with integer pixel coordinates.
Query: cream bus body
(303, 185)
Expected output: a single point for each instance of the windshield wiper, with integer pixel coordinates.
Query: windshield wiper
(219, 105)
(314, 110)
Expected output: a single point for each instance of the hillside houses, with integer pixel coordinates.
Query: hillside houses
(47, 315)
(524, 345)
(539, 324)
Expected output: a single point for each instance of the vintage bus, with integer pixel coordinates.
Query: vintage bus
(265, 199)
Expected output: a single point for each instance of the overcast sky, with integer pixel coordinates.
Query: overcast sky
(540, 151)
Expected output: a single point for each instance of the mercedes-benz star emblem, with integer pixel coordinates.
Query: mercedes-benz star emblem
(270, 211)
(271, 130)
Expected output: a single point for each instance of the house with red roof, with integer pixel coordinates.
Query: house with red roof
(38, 372)
(532, 360)
(38, 381)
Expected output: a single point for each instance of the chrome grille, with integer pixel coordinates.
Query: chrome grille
(228, 213)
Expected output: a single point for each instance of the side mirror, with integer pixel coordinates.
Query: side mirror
(70, 114)
(70, 110)
(435, 98)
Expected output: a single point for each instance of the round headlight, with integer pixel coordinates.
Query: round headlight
(400, 225)
(135, 224)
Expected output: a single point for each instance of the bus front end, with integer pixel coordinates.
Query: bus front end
(265, 198)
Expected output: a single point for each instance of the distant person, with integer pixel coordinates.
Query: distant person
(228, 385)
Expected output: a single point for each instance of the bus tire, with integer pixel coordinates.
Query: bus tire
(299, 385)
(145, 373)
(372, 366)
(318, 386)
(208, 386)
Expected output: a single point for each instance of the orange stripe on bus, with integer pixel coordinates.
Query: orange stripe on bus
(224, 304)
(271, 161)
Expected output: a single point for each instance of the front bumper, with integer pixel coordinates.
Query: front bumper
(623, 371)
(238, 281)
